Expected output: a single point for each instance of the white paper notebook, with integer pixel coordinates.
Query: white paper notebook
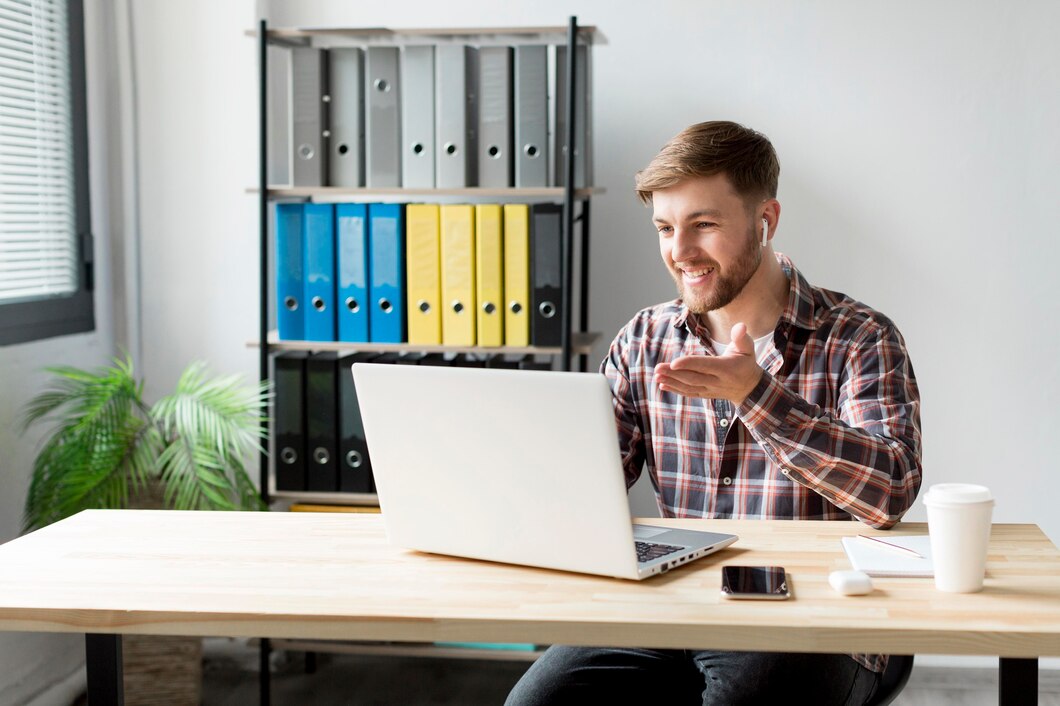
(888, 562)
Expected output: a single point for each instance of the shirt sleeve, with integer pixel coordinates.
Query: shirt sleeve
(866, 457)
(630, 435)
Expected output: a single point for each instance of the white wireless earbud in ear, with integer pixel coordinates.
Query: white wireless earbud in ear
(765, 232)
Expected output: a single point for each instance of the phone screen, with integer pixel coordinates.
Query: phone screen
(769, 582)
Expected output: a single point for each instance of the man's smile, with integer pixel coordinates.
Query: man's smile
(695, 275)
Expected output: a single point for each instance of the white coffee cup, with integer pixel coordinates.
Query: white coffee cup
(959, 526)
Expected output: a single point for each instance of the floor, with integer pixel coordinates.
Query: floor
(231, 679)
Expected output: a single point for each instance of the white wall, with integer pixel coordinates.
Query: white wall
(198, 118)
(43, 668)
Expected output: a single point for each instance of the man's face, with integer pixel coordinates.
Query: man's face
(708, 240)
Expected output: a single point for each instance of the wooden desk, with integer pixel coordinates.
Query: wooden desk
(295, 575)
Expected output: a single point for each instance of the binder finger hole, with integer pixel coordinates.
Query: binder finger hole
(489, 307)
(531, 150)
(417, 148)
(290, 303)
(458, 307)
(306, 151)
(494, 151)
(288, 455)
(354, 460)
(515, 307)
(353, 305)
(319, 304)
(450, 148)
(382, 85)
(547, 309)
(343, 149)
(424, 306)
(385, 306)
(321, 455)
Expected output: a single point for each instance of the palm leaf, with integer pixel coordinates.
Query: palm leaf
(210, 425)
(105, 444)
(75, 471)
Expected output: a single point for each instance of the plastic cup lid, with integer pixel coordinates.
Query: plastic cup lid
(953, 493)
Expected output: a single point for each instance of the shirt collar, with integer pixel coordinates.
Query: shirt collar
(799, 311)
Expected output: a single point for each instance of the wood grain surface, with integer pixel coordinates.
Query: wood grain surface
(333, 576)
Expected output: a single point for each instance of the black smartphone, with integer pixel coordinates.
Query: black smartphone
(755, 582)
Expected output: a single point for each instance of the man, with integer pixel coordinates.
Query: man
(753, 395)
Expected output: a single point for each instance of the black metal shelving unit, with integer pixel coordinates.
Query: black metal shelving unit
(575, 212)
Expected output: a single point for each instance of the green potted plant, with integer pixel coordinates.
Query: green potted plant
(108, 448)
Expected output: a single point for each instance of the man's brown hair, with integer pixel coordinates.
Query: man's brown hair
(746, 157)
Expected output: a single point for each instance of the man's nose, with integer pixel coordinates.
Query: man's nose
(685, 245)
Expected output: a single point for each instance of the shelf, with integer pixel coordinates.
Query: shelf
(412, 649)
(325, 498)
(336, 192)
(297, 35)
(581, 344)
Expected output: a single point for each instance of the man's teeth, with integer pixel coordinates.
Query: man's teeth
(698, 273)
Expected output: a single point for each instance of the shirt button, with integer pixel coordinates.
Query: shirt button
(726, 481)
(724, 423)
(785, 471)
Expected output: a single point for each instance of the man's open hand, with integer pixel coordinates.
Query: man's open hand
(727, 377)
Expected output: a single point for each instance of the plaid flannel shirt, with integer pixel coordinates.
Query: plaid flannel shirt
(831, 431)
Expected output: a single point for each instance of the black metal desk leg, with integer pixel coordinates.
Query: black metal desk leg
(103, 666)
(1018, 682)
(264, 687)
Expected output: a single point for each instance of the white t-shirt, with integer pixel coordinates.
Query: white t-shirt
(760, 346)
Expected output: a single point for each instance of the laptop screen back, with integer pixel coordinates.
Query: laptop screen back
(505, 465)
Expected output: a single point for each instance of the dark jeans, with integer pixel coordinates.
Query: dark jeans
(589, 675)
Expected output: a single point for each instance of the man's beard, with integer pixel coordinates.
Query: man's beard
(728, 285)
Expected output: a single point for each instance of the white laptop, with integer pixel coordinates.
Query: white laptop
(514, 466)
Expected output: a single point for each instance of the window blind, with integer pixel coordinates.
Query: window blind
(38, 237)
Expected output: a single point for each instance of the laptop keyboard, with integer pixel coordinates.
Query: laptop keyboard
(646, 551)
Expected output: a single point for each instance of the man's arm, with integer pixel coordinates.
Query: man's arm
(865, 459)
(630, 437)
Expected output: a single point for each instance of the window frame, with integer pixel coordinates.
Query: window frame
(48, 317)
